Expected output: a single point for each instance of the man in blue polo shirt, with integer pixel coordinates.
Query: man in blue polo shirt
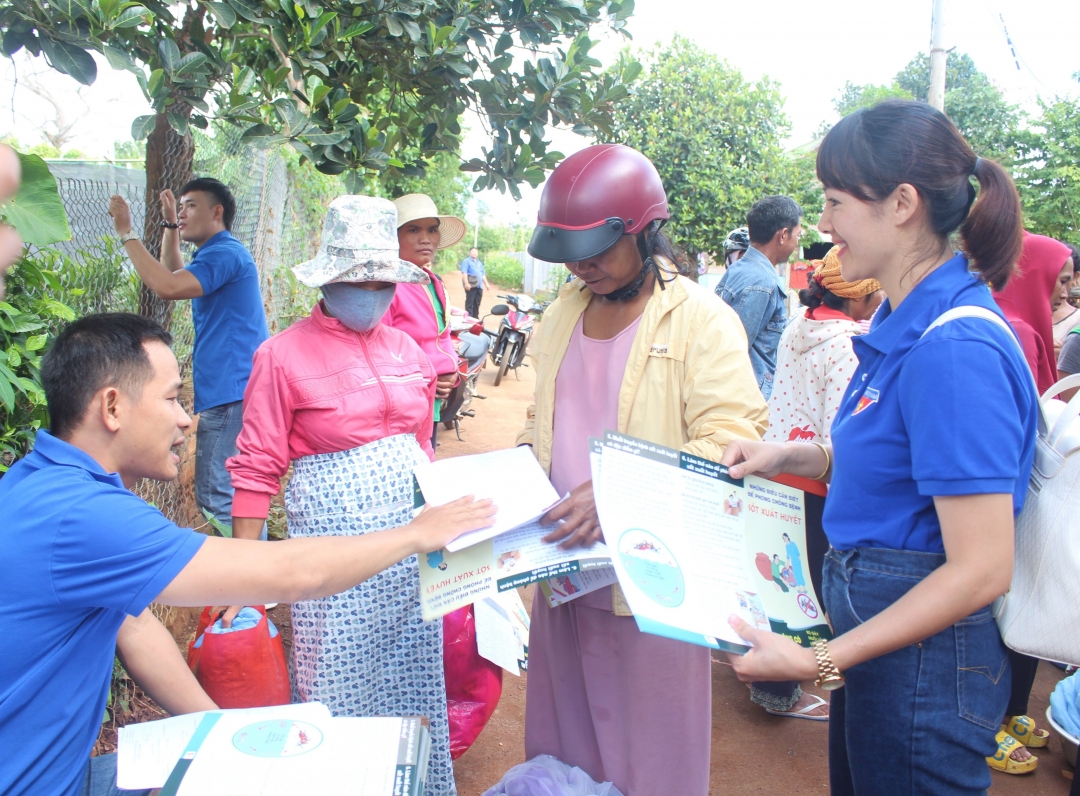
(83, 556)
(230, 322)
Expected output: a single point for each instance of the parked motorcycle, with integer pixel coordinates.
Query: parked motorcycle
(514, 334)
(472, 342)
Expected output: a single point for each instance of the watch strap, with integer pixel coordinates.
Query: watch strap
(829, 677)
(131, 234)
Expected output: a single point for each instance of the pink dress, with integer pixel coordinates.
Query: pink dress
(625, 706)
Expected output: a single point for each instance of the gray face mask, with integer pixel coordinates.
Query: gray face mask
(357, 308)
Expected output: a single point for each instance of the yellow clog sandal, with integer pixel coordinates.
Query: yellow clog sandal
(1002, 760)
(1022, 728)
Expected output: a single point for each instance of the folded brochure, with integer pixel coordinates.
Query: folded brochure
(691, 546)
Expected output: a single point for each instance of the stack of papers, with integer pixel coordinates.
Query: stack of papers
(509, 555)
(692, 546)
(278, 750)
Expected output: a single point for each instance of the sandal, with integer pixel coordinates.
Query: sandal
(1023, 729)
(805, 712)
(1002, 759)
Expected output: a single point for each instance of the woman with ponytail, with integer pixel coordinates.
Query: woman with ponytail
(931, 452)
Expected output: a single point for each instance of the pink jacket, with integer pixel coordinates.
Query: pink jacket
(412, 312)
(319, 387)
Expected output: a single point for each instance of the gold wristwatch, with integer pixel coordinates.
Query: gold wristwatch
(829, 676)
(131, 234)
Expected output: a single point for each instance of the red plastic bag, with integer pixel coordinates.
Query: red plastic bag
(473, 684)
(244, 669)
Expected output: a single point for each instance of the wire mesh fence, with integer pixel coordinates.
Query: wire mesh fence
(279, 218)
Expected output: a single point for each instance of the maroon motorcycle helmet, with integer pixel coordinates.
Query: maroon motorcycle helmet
(592, 199)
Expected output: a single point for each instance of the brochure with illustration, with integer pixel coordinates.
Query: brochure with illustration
(502, 631)
(517, 558)
(691, 546)
(234, 754)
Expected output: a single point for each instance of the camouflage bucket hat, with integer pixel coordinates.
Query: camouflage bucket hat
(359, 244)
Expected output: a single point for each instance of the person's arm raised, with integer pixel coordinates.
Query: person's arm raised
(151, 657)
(238, 571)
(166, 284)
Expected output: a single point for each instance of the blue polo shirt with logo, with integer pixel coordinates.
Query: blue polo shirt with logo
(952, 413)
(230, 322)
(80, 553)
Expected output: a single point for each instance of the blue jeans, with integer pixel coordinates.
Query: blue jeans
(101, 779)
(215, 441)
(919, 721)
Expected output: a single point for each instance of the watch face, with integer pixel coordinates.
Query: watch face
(832, 685)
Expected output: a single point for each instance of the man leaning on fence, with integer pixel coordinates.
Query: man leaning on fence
(227, 309)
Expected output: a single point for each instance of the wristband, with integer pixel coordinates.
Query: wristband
(167, 225)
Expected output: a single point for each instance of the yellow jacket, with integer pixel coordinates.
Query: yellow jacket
(688, 382)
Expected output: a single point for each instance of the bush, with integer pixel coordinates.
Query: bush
(28, 318)
(504, 270)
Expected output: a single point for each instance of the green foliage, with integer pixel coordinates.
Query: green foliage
(129, 150)
(36, 210)
(490, 239)
(976, 106)
(1048, 172)
(288, 73)
(28, 317)
(853, 97)
(714, 136)
(443, 182)
(504, 270)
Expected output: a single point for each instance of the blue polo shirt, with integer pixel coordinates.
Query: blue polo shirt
(952, 413)
(230, 322)
(80, 553)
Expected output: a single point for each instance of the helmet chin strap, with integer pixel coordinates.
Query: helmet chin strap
(627, 292)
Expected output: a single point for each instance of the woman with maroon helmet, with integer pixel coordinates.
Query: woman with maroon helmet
(632, 346)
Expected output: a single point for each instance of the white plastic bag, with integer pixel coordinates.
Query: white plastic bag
(546, 776)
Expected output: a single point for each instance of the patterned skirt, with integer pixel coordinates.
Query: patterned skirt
(367, 651)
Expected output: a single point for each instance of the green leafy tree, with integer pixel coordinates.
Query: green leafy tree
(854, 96)
(353, 87)
(1048, 171)
(29, 312)
(714, 136)
(443, 182)
(976, 106)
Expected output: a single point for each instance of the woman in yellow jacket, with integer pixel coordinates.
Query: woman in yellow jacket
(630, 346)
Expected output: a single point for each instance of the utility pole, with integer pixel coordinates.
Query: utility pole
(938, 56)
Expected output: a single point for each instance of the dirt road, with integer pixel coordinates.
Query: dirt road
(752, 752)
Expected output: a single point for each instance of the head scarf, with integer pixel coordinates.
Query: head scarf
(1025, 301)
(828, 276)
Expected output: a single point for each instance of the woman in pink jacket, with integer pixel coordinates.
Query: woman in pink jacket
(346, 400)
(422, 311)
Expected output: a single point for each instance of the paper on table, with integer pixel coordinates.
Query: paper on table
(502, 631)
(512, 478)
(242, 757)
(147, 752)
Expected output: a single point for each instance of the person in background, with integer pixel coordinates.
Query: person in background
(815, 359)
(1028, 302)
(623, 705)
(474, 280)
(84, 556)
(932, 450)
(735, 245)
(752, 287)
(422, 311)
(222, 282)
(346, 401)
(814, 364)
(10, 242)
(1065, 314)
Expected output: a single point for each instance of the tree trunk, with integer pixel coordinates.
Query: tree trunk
(169, 162)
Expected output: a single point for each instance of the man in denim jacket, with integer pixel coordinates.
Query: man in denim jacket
(752, 287)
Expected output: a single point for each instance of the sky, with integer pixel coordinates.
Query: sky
(810, 49)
